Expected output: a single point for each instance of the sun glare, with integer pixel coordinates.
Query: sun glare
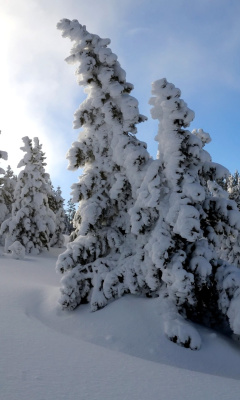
(15, 121)
(9, 115)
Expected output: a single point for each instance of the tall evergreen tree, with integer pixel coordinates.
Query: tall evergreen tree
(162, 226)
(188, 222)
(31, 222)
(113, 161)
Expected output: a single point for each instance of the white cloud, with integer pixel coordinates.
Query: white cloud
(38, 91)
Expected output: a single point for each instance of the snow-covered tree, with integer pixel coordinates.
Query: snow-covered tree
(7, 186)
(31, 222)
(189, 224)
(69, 217)
(17, 250)
(163, 226)
(3, 156)
(3, 206)
(97, 264)
(8, 183)
(56, 202)
(233, 187)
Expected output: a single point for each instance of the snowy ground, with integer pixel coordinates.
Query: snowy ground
(119, 352)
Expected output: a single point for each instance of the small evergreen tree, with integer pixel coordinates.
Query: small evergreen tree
(8, 183)
(31, 222)
(70, 213)
(233, 187)
(3, 156)
(95, 263)
(3, 206)
(7, 186)
(56, 202)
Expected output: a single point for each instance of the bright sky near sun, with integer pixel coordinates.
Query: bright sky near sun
(194, 44)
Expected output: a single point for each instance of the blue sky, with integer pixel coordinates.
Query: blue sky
(194, 44)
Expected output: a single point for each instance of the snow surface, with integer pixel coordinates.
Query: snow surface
(119, 352)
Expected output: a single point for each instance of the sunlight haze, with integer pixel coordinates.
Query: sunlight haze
(195, 45)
